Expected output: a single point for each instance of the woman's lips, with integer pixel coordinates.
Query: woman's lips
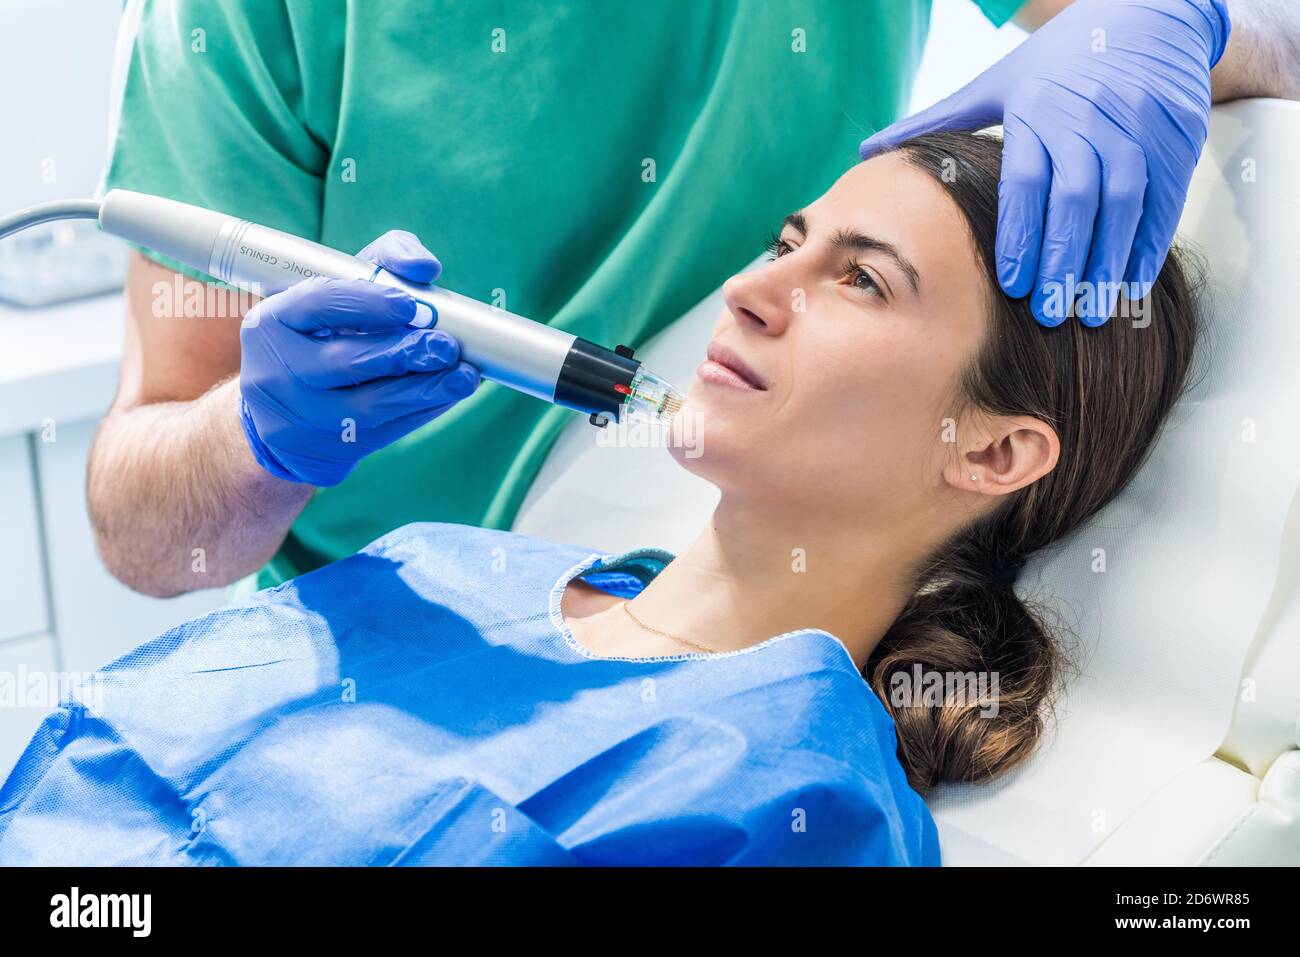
(724, 367)
(710, 371)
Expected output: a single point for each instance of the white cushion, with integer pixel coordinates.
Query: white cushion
(1216, 815)
(1194, 597)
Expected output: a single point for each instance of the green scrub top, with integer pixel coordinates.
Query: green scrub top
(600, 165)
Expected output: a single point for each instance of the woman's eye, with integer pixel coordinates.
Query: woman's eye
(861, 279)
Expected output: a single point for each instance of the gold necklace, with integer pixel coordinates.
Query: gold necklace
(665, 634)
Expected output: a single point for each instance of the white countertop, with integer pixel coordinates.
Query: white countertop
(59, 362)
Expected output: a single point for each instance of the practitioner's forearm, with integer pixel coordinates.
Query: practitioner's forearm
(1263, 54)
(177, 501)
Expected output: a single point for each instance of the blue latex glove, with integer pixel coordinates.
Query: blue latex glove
(1105, 110)
(331, 370)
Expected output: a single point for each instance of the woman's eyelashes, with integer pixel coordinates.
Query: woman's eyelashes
(776, 246)
(857, 274)
(859, 278)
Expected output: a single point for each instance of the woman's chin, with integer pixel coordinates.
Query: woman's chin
(708, 437)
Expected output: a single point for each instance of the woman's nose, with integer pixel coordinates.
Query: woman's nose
(760, 299)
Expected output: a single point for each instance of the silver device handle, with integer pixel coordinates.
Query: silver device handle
(515, 351)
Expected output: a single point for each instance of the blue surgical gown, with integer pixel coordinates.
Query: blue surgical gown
(422, 702)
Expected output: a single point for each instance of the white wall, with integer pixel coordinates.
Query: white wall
(961, 45)
(56, 59)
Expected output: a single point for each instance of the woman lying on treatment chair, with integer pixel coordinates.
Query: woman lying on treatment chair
(890, 435)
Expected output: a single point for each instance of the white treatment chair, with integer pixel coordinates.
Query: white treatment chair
(1177, 743)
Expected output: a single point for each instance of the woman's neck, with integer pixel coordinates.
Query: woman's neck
(751, 575)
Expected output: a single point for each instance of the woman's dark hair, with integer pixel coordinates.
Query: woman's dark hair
(1106, 391)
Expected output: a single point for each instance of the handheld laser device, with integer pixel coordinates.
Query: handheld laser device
(528, 356)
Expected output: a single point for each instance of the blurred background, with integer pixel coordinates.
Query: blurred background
(60, 611)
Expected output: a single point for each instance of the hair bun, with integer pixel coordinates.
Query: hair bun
(1006, 572)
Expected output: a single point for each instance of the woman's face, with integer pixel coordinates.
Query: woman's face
(854, 338)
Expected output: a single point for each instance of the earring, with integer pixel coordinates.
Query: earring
(974, 478)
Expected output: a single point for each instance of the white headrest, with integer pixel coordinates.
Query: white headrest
(1191, 550)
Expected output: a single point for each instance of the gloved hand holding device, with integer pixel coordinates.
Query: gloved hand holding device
(1105, 109)
(332, 370)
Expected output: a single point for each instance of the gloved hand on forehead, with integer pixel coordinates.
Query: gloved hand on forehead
(332, 370)
(1105, 110)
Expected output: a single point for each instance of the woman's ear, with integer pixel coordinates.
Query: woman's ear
(1008, 453)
